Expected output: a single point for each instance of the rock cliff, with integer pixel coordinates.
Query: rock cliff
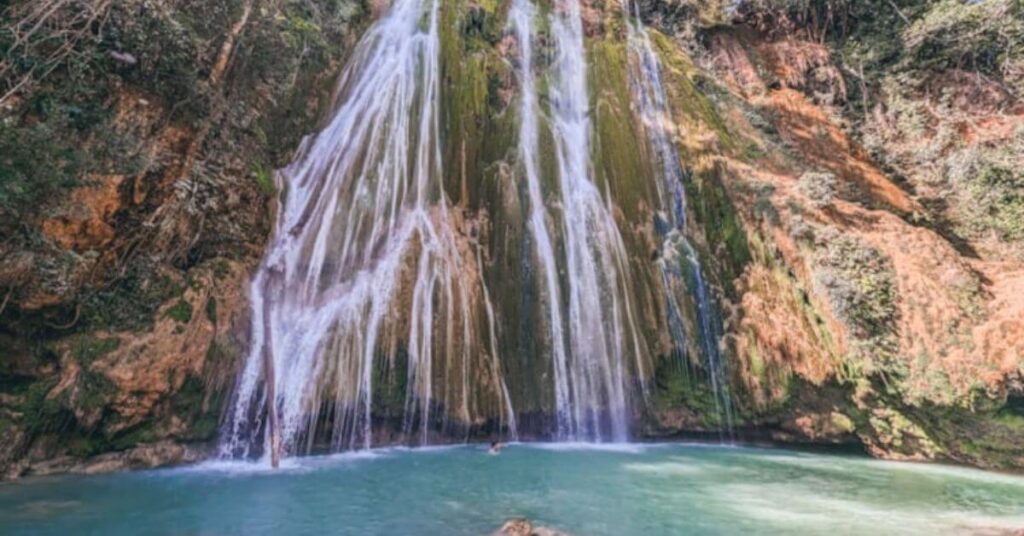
(853, 177)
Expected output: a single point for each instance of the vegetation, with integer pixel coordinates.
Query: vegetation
(819, 187)
(128, 133)
(922, 77)
(34, 166)
(860, 285)
(993, 180)
(181, 312)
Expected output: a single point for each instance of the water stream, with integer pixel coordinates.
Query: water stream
(678, 260)
(603, 332)
(364, 260)
(368, 262)
(592, 329)
(371, 271)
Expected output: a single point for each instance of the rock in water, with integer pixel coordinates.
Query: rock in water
(523, 527)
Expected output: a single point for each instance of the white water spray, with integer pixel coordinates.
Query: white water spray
(592, 329)
(365, 261)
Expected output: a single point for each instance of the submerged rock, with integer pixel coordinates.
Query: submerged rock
(523, 527)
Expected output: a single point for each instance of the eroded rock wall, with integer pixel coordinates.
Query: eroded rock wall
(856, 307)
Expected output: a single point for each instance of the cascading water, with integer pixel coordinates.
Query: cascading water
(521, 18)
(678, 258)
(592, 329)
(370, 269)
(364, 262)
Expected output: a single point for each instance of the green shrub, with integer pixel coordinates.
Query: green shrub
(131, 301)
(264, 179)
(983, 36)
(181, 312)
(88, 349)
(819, 187)
(859, 283)
(993, 180)
(35, 165)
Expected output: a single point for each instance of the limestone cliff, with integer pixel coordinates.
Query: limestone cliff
(854, 199)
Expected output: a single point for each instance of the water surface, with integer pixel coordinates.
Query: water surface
(628, 489)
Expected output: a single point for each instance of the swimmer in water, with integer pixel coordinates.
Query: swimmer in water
(495, 448)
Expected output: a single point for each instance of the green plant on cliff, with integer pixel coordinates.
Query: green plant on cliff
(264, 178)
(34, 165)
(131, 301)
(859, 283)
(821, 188)
(180, 312)
(985, 36)
(87, 349)
(993, 179)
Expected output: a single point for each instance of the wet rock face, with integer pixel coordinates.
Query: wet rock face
(855, 307)
(144, 456)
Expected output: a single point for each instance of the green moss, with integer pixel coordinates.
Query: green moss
(198, 404)
(40, 413)
(842, 422)
(677, 386)
(181, 312)
(264, 177)
(1010, 419)
(690, 103)
(144, 433)
(618, 151)
(211, 310)
(723, 229)
(757, 365)
(94, 391)
(85, 446)
(35, 165)
(131, 301)
(87, 348)
(477, 129)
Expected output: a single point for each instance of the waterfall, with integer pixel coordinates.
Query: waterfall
(677, 256)
(591, 326)
(370, 269)
(521, 19)
(365, 261)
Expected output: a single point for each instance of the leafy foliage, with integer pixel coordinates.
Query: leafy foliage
(820, 187)
(860, 285)
(982, 35)
(993, 179)
(35, 164)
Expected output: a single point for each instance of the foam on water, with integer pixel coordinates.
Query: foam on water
(240, 467)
